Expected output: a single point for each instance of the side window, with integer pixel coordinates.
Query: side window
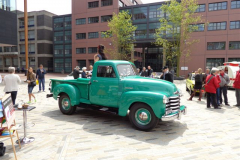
(106, 71)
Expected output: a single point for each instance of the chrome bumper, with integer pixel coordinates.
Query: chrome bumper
(175, 116)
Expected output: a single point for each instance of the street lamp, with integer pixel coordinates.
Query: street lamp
(26, 32)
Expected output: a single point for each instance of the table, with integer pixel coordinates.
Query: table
(25, 139)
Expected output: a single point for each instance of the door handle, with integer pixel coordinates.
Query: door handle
(95, 80)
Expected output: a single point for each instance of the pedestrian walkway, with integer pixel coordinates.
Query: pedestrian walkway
(90, 135)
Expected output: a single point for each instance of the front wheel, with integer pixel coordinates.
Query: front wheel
(142, 117)
(65, 105)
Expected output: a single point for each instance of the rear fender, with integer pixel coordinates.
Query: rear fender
(153, 99)
(71, 90)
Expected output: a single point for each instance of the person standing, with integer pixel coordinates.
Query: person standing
(211, 86)
(144, 73)
(100, 55)
(218, 89)
(76, 72)
(166, 75)
(236, 85)
(150, 71)
(40, 76)
(138, 71)
(84, 74)
(12, 82)
(31, 80)
(223, 87)
(90, 71)
(198, 84)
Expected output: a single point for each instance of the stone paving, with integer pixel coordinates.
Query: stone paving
(90, 135)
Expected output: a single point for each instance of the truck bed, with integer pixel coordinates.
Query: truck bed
(82, 84)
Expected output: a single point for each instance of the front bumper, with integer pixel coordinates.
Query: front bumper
(178, 115)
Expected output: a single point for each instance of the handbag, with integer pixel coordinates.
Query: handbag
(33, 83)
(37, 82)
(203, 87)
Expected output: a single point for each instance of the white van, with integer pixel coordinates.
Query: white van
(230, 68)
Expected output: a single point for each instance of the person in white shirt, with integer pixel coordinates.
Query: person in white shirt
(11, 82)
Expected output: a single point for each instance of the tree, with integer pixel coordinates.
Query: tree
(121, 32)
(175, 30)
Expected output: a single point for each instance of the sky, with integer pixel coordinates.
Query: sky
(58, 7)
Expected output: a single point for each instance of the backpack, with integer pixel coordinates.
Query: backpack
(198, 78)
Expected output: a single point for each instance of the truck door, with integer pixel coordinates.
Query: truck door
(104, 87)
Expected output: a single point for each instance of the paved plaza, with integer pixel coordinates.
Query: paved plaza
(90, 135)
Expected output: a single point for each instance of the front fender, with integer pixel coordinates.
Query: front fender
(71, 90)
(153, 99)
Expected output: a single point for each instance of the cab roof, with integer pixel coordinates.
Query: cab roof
(113, 62)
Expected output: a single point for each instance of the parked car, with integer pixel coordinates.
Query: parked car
(190, 82)
(115, 87)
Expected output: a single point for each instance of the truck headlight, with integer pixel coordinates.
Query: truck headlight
(165, 99)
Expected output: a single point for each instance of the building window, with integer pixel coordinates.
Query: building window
(57, 20)
(217, 26)
(68, 65)
(216, 45)
(217, 6)
(58, 50)
(93, 4)
(197, 27)
(92, 35)
(235, 4)
(201, 8)
(30, 21)
(22, 36)
(106, 18)
(68, 50)
(31, 35)
(15, 62)
(21, 21)
(152, 29)
(233, 59)
(154, 13)
(68, 25)
(58, 37)
(93, 20)
(81, 63)
(68, 36)
(58, 26)
(58, 65)
(92, 50)
(80, 50)
(107, 3)
(81, 36)
(120, 3)
(91, 62)
(234, 45)
(214, 62)
(141, 31)
(140, 14)
(31, 48)
(67, 19)
(235, 25)
(81, 21)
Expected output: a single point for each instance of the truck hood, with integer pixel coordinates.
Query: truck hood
(138, 83)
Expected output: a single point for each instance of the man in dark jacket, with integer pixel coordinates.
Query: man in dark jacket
(150, 71)
(76, 72)
(40, 76)
(144, 73)
(166, 75)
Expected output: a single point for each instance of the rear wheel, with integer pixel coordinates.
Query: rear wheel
(65, 105)
(142, 117)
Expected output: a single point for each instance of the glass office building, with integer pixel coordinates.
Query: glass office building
(62, 43)
(8, 5)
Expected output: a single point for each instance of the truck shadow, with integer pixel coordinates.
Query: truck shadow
(105, 124)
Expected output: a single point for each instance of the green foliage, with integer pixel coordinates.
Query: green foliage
(121, 32)
(174, 33)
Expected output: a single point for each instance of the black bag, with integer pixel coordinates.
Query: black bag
(2, 149)
(33, 83)
(198, 78)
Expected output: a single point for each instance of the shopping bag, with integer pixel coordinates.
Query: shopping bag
(37, 82)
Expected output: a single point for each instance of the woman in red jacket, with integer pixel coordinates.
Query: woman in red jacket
(236, 85)
(211, 86)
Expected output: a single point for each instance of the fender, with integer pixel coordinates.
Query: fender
(153, 99)
(71, 90)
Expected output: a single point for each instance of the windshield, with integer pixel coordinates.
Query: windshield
(127, 70)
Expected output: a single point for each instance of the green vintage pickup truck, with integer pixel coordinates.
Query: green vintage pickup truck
(116, 87)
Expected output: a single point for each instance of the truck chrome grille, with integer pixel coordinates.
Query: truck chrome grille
(173, 104)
